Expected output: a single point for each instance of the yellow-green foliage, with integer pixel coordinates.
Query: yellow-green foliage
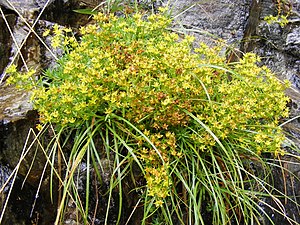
(283, 12)
(282, 20)
(135, 68)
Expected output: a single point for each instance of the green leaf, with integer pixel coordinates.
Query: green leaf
(86, 11)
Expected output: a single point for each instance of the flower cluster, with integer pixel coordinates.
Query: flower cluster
(283, 13)
(282, 20)
(156, 160)
(134, 67)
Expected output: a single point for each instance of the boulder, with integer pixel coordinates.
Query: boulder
(212, 20)
(25, 8)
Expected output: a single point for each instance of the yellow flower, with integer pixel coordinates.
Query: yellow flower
(158, 203)
(189, 38)
(55, 42)
(108, 110)
(46, 32)
(82, 30)
(163, 9)
(137, 16)
(57, 30)
(186, 85)
(71, 120)
(11, 69)
(67, 30)
(39, 127)
(54, 114)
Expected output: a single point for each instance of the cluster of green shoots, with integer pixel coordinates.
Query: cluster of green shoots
(172, 106)
(282, 14)
(282, 20)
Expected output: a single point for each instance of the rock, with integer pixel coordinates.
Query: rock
(5, 40)
(17, 140)
(278, 48)
(23, 207)
(14, 104)
(23, 197)
(212, 20)
(25, 8)
(293, 42)
(17, 120)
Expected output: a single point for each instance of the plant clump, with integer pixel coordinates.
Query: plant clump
(178, 99)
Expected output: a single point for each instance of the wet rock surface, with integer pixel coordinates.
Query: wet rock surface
(99, 198)
(241, 23)
(24, 208)
(5, 40)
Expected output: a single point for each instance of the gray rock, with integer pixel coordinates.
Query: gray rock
(25, 7)
(14, 104)
(5, 40)
(293, 42)
(224, 19)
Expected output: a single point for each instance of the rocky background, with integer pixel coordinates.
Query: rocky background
(240, 22)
